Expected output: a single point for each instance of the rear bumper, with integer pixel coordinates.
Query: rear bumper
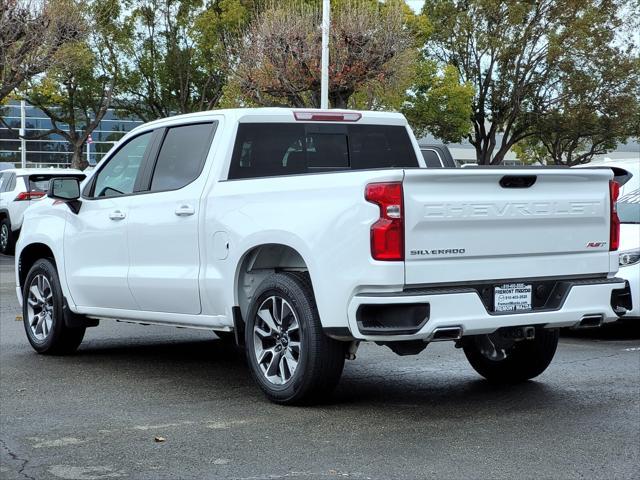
(464, 308)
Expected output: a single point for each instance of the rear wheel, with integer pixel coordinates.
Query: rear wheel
(6, 237)
(511, 362)
(290, 357)
(43, 312)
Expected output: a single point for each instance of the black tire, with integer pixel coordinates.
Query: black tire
(60, 339)
(7, 243)
(320, 358)
(525, 360)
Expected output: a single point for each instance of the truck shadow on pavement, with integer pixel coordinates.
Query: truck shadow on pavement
(212, 368)
(625, 329)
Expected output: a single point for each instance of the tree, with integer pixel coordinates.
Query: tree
(31, 32)
(439, 104)
(598, 107)
(177, 58)
(278, 58)
(517, 55)
(77, 91)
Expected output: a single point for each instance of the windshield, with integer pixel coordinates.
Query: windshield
(629, 207)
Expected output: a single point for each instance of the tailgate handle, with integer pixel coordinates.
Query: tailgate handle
(517, 181)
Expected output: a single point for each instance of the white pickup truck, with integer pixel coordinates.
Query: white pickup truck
(300, 233)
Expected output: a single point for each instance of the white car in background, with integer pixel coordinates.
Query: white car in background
(629, 215)
(19, 188)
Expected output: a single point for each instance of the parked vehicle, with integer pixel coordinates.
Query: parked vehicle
(305, 232)
(437, 156)
(629, 213)
(19, 188)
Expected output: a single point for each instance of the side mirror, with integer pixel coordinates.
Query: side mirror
(67, 190)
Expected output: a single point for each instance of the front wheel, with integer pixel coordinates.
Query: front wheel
(515, 362)
(43, 312)
(290, 357)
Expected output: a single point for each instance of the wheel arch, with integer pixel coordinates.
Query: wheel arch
(29, 255)
(257, 263)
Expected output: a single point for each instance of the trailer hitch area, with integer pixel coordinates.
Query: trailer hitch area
(518, 333)
(496, 345)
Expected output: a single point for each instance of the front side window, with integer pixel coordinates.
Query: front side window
(182, 156)
(118, 176)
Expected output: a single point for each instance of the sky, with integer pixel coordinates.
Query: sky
(416, 5)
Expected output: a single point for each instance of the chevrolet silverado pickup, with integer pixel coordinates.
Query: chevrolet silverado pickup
(298, 234)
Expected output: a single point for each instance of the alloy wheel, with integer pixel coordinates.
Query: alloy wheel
(4, 236)
(40, 307)
(276, 340)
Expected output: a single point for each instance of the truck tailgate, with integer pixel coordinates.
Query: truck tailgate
(489, 224)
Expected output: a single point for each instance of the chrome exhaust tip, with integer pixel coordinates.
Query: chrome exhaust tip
(591, 321)
(444, 334)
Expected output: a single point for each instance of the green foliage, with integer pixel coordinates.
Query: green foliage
(78, 89)
(177, 60)
(530, 151)
(525, 60)
(439, 104)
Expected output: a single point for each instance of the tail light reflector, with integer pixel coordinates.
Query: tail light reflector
(614, 235)
(387, 234)
(29, 196)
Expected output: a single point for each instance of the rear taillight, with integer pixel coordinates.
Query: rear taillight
(387, 234)
(614, 235)
(29, 196)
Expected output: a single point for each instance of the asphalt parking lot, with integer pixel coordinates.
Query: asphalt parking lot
(95, 415)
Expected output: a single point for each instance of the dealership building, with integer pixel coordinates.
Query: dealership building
(53, 149)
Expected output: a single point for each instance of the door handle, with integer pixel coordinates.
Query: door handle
(117, 215)
(185, 210)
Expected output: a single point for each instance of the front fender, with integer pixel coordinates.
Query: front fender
(44, 223)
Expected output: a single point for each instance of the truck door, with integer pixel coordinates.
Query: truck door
(163, 230)
(95, 240)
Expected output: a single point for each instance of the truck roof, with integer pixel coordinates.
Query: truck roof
(280, 114)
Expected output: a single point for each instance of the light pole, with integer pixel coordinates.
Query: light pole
(324, 68)
(23, 133)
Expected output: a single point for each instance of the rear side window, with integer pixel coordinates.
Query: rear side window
(182, 156)
(272, 149)
(431, 158)
(7, 182)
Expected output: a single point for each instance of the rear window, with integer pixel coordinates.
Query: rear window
(273, 149)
